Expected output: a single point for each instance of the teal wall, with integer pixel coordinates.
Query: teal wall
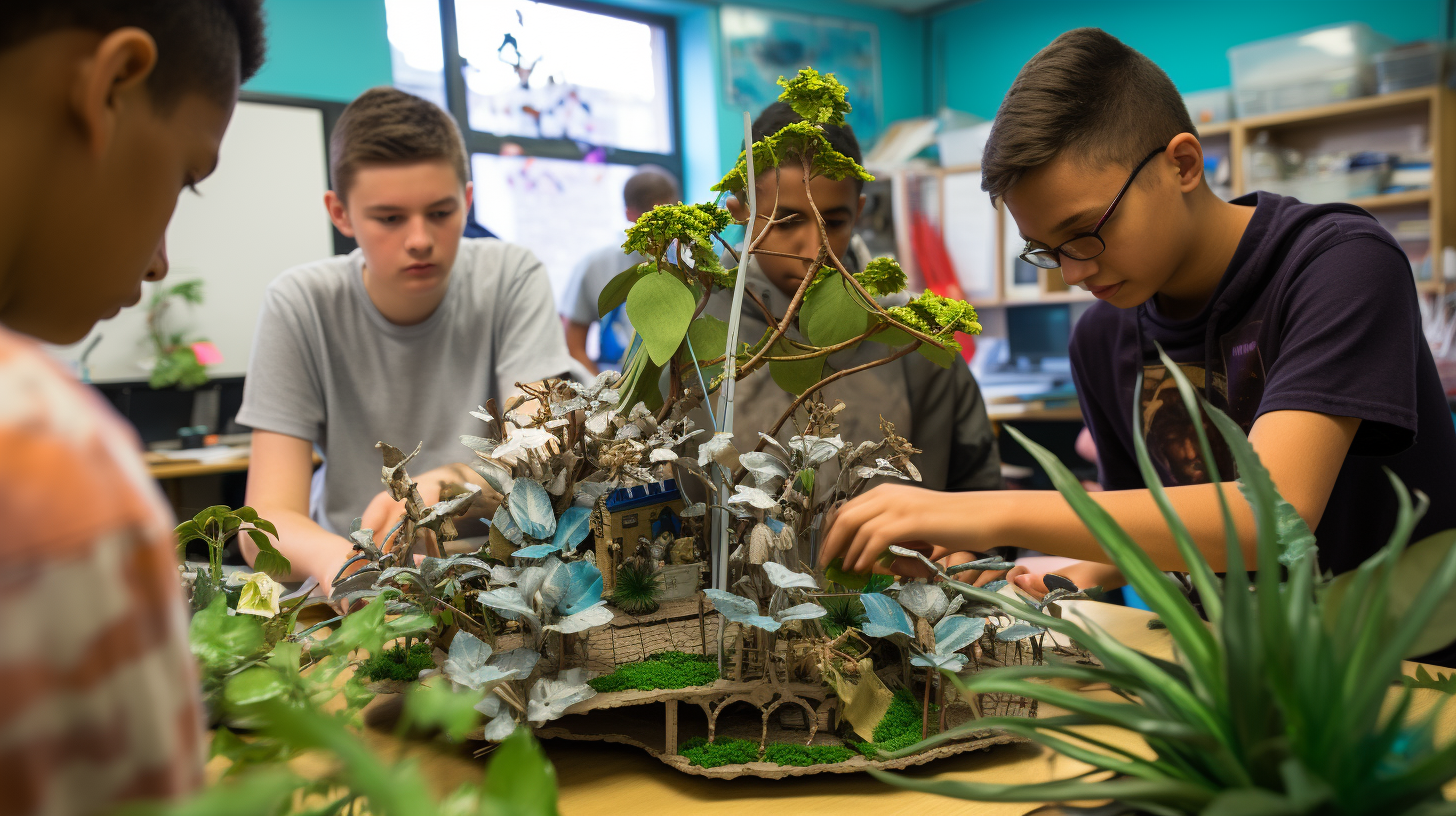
(977, 49)
(324, 49)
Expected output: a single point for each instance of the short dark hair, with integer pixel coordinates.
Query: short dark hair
(841, 137)
(386, 126)
(206, 45)
(1088, 93)
(649, 186)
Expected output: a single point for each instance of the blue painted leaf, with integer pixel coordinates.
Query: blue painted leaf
(1018, 631)
(584, 590)
(740, 610)
(531, 509)
(956, 632)
(503, 523)
(535, 551)
(996, 586)
(954, 662)
(886, 617)
(572, 528)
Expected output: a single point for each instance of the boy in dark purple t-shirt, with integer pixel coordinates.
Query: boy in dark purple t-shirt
(1300, 321)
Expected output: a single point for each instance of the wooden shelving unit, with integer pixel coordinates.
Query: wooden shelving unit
(1432, 108)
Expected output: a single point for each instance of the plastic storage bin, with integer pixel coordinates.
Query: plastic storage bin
(1314, 67)
(1413, 65)
(1208, 107)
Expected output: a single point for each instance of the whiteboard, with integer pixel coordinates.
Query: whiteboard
(260, 213)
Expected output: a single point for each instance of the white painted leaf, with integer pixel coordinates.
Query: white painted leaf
(595, 615)
(551, 697)
(752, 496)
(719, 449)
(517, 664)
(694, 510)
(783, 577)
(522, 440)
(508, 601)
(804, 611)
(765, 467)
(662, 455)
(927, 601)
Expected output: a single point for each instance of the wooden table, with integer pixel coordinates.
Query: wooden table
(610, 780)
(164, 467)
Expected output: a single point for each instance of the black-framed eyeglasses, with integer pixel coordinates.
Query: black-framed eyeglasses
(1086, 245)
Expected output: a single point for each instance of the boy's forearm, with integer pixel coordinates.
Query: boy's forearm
(1042, 520)
(310, 549)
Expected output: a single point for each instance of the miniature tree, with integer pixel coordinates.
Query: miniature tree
(835, 310)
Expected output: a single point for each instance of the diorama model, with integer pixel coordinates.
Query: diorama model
(783, 670)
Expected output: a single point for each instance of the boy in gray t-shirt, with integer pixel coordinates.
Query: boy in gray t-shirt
(395, 342)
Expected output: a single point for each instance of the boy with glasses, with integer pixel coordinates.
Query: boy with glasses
(1300, 321)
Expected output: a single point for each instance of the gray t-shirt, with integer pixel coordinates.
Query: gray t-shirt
(329, 368)
(588, 279)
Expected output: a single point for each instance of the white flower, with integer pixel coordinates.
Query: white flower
(260, 593)
(522, 440)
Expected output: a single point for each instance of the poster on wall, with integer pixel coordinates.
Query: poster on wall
(760, 46)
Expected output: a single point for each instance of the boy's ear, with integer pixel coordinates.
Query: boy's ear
(737, 209)
(110, 78)
(859, 208)
(339, 213)
(469, 195)
(1187, 154)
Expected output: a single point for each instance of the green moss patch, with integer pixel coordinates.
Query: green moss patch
(740, 751)
(397, 664)
(664, 670)
(900, 727)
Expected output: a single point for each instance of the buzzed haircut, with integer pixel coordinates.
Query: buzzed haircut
(841, 137)
(649, 187)
(1087, 93)
(212, 46)
(386, 126)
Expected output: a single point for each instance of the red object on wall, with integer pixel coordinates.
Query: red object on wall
(940, 275)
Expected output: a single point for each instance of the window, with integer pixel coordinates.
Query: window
(559, 103)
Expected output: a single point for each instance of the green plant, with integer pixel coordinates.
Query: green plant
(1276, 704)
(792, 753)
(174, 363)
(214, 526)
(637, 589)
(397, 663)
(833, 308)
(842, 612)
(664, 670)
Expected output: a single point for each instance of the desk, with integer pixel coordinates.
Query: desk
(599, 778)
(165, 467)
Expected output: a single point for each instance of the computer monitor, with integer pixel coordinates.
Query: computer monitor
(1038, 332)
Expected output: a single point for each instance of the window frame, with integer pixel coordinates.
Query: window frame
(569, 149)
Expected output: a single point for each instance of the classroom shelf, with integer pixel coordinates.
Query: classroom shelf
(1362, 106)
(1386, 201)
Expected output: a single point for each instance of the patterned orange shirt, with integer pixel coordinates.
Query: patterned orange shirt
(98, 690)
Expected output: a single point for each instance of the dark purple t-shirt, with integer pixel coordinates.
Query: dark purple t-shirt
(1317, 311)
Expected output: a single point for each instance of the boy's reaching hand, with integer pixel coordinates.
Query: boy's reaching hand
(939, 523)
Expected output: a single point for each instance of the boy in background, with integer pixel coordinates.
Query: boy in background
(395, 342)
(1300, 321)
(939, 410)
(121, 105)
(646, 189)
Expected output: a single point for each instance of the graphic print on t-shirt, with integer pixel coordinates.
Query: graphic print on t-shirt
(1168, 429)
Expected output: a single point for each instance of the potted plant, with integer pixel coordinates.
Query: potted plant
(1278, 703)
